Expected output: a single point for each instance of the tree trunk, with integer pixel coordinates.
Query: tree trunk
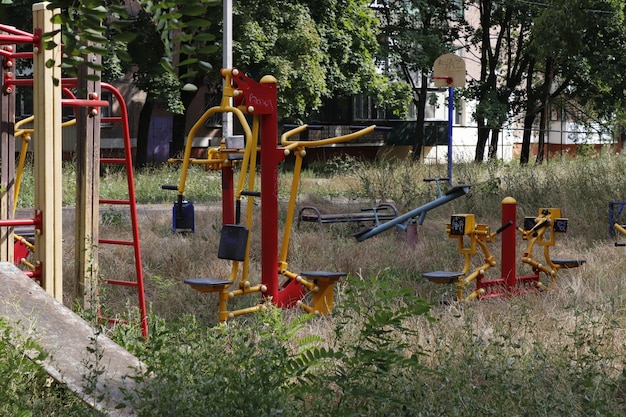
(542, 135)
(420, 97)
(529, 119)
(493, 145)
(143, 132)
(544, 120)
(530, 116)
(179, 123)
(483, 135)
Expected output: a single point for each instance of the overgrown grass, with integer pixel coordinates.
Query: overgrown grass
(390, 347)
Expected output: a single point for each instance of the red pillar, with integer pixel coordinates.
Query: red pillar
(260, 99)
(271, 156)
(509, 214)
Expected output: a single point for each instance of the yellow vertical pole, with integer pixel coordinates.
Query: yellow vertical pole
(48, 149)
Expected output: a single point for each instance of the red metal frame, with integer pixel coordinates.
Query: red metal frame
(260, 98)
(132, 202)
(508, 283)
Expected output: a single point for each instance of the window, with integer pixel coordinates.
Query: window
(378, 4)
(431, 106)
(365, 109)
(459, 113)
(460, 13)
(213, 100)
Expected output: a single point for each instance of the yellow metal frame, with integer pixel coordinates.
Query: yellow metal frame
(479, 236)
(217, 158)
(619, 228)
(323, 299)
(542, 234)
(322, 289)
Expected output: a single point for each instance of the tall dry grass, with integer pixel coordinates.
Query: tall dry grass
(582, 188)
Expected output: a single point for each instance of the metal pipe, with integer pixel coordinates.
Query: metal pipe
(455, 192)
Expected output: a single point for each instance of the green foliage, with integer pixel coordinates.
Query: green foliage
(574, 185)
(413, 35)
(375, 352)
(417, 32)
(144, 43)
(25, 388)
(388, 356)
(587, 47)
(315, 50)
(112, 217)
(237, 369)
(400, 182)
(511, 367)
(299, 66)
(269, 364)
(385, 351)
(541, 64)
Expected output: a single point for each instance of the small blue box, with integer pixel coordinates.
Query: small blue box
(183, 217)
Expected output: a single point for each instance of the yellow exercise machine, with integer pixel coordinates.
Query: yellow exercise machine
(539, 232)
(259, 143)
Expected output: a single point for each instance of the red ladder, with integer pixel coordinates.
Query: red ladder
(131, 202)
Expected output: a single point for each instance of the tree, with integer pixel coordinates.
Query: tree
(317, 50)
(502, 37)
(415, 34)
(146, 44)
(535, 54)
(173, 47)
(578, 61)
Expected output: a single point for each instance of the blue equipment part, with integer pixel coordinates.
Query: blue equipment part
(183, 217)
(453, 193)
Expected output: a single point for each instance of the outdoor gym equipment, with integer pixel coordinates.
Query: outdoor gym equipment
(539, 231)
(258, 100)
(616, 228)
(378, 214)
(419, 212)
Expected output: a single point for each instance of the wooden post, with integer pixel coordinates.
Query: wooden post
(48, 150)
(87, 193)
(7, 155)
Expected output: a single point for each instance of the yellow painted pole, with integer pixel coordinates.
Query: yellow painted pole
(250, 158)
(291, 208)
(25, 134)
(192, 134)
(48, 150)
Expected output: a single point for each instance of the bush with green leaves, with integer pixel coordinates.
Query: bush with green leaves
(236, 369)
(375, 360)
(264, 365)
(25, 388)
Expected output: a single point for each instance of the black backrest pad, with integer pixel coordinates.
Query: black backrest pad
(233, 241)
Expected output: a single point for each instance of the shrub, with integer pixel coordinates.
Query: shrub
(25, 388)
